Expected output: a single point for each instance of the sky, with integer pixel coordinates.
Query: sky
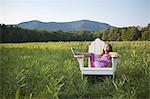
(120, 13)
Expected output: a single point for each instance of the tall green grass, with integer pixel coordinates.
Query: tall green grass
(49, 70)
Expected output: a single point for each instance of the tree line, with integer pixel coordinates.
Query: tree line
(12, 33)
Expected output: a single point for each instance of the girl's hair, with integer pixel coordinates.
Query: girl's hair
(109, 48)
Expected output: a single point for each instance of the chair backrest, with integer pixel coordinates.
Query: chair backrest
(96, 46)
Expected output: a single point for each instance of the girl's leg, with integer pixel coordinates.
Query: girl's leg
(91, 61)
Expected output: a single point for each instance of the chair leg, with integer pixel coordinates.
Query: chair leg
(82, 76)
(113, 76)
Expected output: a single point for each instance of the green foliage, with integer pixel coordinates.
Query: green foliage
(17, 94)
(48, 70)
(10, 33)
(146, 33)
(53, 88)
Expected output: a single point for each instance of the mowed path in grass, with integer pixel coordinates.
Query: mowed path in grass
(49, 70)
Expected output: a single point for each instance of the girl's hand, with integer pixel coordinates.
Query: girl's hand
(98, 55)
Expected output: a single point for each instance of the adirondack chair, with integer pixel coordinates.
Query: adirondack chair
(96, 47)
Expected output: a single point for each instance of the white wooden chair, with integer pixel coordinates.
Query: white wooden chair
(96, 47)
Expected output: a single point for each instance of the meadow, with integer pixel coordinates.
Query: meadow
(49, 71)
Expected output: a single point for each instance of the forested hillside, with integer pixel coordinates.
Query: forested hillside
(65, 26)
(11, 33)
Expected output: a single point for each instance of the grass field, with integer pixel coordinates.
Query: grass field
(49, 70)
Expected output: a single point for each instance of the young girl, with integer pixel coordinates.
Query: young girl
(98, 60)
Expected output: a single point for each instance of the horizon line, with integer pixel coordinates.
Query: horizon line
(73, 21)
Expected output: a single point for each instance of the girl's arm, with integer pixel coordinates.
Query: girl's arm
(99, 55)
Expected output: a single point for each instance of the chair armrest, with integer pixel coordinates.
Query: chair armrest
(80, 59)
(79, 56)
(114, 54)
(76, 55)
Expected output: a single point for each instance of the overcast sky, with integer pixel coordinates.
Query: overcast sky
(118, 13)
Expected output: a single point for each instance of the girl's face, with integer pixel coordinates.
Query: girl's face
(106, 48)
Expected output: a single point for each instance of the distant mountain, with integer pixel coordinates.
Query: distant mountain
(66, 26)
